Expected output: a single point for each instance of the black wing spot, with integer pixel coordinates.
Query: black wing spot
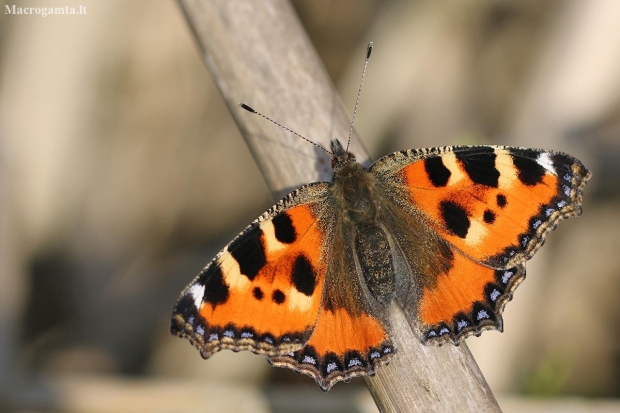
(185, 306)
(304, 276)
(278, 297)
(529, 171)
(501, 200)
(284, 229)
(436, 171)
(258, 293)
(249, 252)
(480, 167)
(455, 218)
(489, 216)
(216, 289)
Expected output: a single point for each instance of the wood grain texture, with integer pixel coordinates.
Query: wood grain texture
(258, 53)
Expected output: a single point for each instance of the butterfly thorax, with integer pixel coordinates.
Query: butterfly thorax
(354, 191)
(352, 186)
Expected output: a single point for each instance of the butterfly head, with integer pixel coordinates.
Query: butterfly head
(340, 156)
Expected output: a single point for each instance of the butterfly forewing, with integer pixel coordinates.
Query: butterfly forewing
(495, 204)
(263, 291)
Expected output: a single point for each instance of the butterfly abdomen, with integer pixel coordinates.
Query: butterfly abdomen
(375, 259)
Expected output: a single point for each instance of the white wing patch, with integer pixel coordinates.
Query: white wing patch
(544, 160)
(197, 291)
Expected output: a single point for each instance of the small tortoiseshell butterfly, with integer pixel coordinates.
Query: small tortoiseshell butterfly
(442, 232)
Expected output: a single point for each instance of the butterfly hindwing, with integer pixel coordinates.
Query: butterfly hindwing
(350, 338)
(466, 299)
(264, 290)
(495, 204)
(341, 347)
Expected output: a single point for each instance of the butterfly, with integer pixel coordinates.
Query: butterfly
(444, 233)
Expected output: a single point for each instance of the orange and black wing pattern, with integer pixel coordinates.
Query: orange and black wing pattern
(493, 206)
(351, 336)
(286, 288)
(341, 347)
(466, 299)
(496, 204)
(263, 292)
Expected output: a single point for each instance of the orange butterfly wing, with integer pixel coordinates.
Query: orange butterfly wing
(263, 291)
(350, 338)
(466, 299)
(496, 204)
(493, 206)
(341, 347)
(281, 289)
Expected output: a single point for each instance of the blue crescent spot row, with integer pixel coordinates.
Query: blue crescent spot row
(482, 313)
(350, 362)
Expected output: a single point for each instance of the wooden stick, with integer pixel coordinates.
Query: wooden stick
(259, 54)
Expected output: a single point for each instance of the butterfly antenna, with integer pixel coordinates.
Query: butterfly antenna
(251, 110)
(359, 92)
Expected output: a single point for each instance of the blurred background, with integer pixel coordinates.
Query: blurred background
(122, 174)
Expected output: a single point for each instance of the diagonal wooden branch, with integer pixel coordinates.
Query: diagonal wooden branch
(258, 53)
